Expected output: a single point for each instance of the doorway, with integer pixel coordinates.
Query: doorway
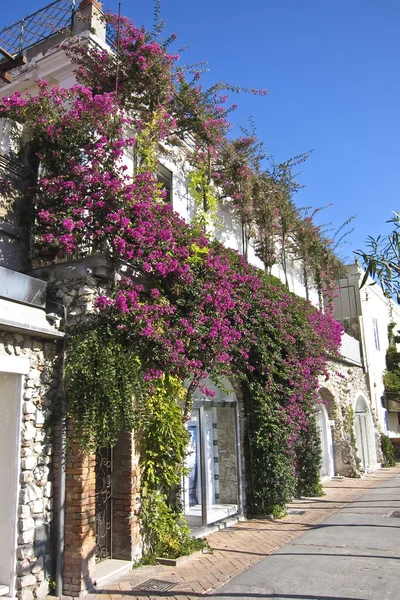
(325, 434)
(212, 487)
(364, 432)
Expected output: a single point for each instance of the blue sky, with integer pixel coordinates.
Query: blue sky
(332, 71)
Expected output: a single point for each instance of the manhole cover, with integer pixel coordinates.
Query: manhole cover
(395, 513)
(155, 585)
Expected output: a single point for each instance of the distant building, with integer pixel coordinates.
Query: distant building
(366, 315)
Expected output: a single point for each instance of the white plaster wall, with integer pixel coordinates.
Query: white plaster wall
(9, 410)
(376, 306)
(365, 435)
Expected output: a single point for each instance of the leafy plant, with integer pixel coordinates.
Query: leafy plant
(389, 458)
(309, 460)
(100, 394)
(381, 260)
(183, 306)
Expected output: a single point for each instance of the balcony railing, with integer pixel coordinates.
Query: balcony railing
(37, 27)
(391, 401)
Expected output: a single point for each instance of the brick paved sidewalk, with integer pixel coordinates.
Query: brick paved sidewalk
(239, 547)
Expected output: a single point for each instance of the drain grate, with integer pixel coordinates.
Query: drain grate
(295, 511)
(395, 513)
(155, 585)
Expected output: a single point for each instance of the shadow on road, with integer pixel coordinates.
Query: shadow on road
(216, 595)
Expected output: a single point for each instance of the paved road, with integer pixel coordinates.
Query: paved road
(352, 555)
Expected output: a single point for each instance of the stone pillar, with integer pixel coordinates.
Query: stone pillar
(80, 522)
(126, 543)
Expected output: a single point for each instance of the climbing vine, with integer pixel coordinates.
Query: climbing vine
(183, 307)
(309, 460)
(102, 395)
(163, 441)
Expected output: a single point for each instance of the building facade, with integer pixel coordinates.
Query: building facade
(70, 511)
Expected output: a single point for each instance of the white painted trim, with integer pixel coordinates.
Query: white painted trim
(327, 449)
(13, 482)
(14, 364)
(360, 394)
(17, 489)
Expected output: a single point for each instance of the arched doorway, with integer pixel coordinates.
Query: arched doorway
(325, 434)
(364, 430)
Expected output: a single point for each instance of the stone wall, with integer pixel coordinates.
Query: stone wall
(339, 393)
(241, 440)
(227, 477)
(35, 554)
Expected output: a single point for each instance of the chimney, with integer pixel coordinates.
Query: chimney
(89, 17)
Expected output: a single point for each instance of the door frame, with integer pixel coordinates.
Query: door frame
(328, 461)
(18, 366)
(368, 444)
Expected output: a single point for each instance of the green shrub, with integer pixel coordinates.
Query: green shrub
(389, 459)
(309, 460)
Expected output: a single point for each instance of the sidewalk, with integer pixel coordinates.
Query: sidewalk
(241, 546)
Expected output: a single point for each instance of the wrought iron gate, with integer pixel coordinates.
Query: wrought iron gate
(104, 460)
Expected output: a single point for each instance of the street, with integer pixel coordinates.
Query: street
(343, 546)
(353, 554)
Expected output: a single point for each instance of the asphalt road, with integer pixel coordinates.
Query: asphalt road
(352, 555)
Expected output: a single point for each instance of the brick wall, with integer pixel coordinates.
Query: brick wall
(80, 522)
(126, 541)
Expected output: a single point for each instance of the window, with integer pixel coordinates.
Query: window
(376, 334)
(164, 177)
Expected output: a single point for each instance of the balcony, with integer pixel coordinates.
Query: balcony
(391, 402)
(350, 350)
(37, 27)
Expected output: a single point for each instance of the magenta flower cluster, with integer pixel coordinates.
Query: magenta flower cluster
(188, 305)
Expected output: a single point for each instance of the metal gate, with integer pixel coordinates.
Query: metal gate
(104, 463)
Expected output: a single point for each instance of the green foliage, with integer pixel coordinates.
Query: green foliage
(381, 260)
(106, 395)
(203, 193)
(389, 458)
(163, 438)
(271, 477)
(391, 380)
(164, 529)
(391, 377)
(309, 460)
(103, 377)
(163, 441)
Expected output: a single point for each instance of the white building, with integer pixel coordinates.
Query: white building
(218, 480)
(366, 314)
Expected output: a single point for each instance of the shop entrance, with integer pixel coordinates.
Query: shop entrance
(212, 488)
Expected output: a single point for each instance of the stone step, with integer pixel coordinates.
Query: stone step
(4, 590)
